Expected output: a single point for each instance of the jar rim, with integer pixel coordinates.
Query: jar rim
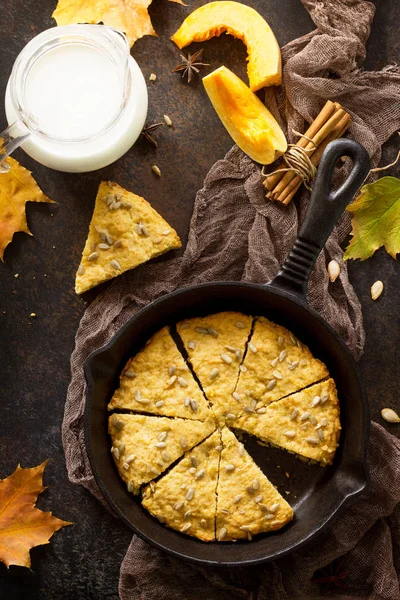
(102, 37)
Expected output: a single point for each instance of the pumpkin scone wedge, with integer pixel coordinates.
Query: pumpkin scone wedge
(215, 345)
(143, 447)
(185, 498)
(247, 502)
(306, 423)
(158, 381)
(125, 232)
(276, 365)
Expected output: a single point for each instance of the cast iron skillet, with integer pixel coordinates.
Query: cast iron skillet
(316, 494)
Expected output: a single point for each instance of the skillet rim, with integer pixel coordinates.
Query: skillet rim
(346, 500)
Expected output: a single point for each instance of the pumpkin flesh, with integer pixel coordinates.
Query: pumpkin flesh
(247, 120)
(264, 56)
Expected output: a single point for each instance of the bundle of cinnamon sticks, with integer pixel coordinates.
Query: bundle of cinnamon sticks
(330, 124)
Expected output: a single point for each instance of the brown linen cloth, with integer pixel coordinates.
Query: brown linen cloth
(236, 234)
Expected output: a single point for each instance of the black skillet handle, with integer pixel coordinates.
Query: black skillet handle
(323, 212)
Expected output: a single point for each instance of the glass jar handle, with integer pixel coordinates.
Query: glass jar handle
(10, 139)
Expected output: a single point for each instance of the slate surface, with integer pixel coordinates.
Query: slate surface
(82, 562)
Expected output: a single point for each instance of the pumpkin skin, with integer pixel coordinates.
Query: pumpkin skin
(264, 56)
(247, 120)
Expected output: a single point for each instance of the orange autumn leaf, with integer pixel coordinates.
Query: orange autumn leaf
(129, 16)
(22, 525)
(17, 187)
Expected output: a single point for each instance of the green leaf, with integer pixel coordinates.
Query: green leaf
(376, 219)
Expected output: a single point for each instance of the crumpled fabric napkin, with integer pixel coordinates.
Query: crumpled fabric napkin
(236, 234)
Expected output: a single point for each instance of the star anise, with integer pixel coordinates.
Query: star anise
(331, 576)
(146, 132)
(191, 65)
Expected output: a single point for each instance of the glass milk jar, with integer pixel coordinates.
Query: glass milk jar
(76, 100)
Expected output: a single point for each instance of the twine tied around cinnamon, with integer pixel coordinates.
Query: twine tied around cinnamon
(298, 161)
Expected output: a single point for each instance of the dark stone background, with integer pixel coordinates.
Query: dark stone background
(82, 562)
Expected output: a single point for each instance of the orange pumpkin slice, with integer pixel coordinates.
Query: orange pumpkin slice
(247, 120)
(264, 67)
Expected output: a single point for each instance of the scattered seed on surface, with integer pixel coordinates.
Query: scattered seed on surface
(303, 363)
(121, 447)
(281, 340)
(219, 448)
(261, 411)
(137, 395)
(155, 471)
(201, 330)
(192, 470)
(242, 368)
(130, 486)
(160, 463)
(190, 494)
(320, 434)
(230, 348)
(182, 382)
(81, 270)
(142, 230)
(316, 401)
(282, 355)
(168, 120)
(156, 170)
(172, 380)
(212, 332)
(203, 523)
(118, 423)
(183, 442)
(236, 396)
(312, 441)
(269, 517)
(290, 433)
(167, 232)
(165, 456)
(157, 240)
(252, 347)
(226, 358)
(186, 401)
(187, 515)
(250, 489)
(230, 417)
(193, 460)
(222, 534)
(293, 365)
(240, 325)
(258, 499)
(294, 414)
(277, 374)
(273, 508)
(184, 326)
(162, 436)
(245, 527)
(214, 373)
(237, 499)
(333, 270)
(293, 339)
(178, 505)
(229, 468)
(194, 405)
(127, 205)
(130, 374)
(305, 416)
(274, 362)
(324, 398)
(115, 452)
(324, 422)
(313, 420)
(255, 485)
(238, 354)
(376, 290)
(129, 459)
(115, 264)
(249, 409)
(191, 345)
(390, 415)
(172, 370)
(93, 256)
(160, 445)
(200, 474)
(118, 244)
(153, 77)
(271, 384)
(125, 466)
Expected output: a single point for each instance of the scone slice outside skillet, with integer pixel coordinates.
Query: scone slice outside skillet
(306, 423)
(125, 231)
(276, 364)
(143, 447)
(216, 345)
(158, 381)
(185, 497)
(247, 502)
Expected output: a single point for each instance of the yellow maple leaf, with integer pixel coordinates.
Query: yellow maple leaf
(129, 16)
(22, 525)
(17, 187)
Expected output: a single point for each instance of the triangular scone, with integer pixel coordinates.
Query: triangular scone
(185, 498)
(247, 502)
(125, 232)
(276, 365)
(158, 381)
(306, 423)
(215, 345)
(143, 447)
